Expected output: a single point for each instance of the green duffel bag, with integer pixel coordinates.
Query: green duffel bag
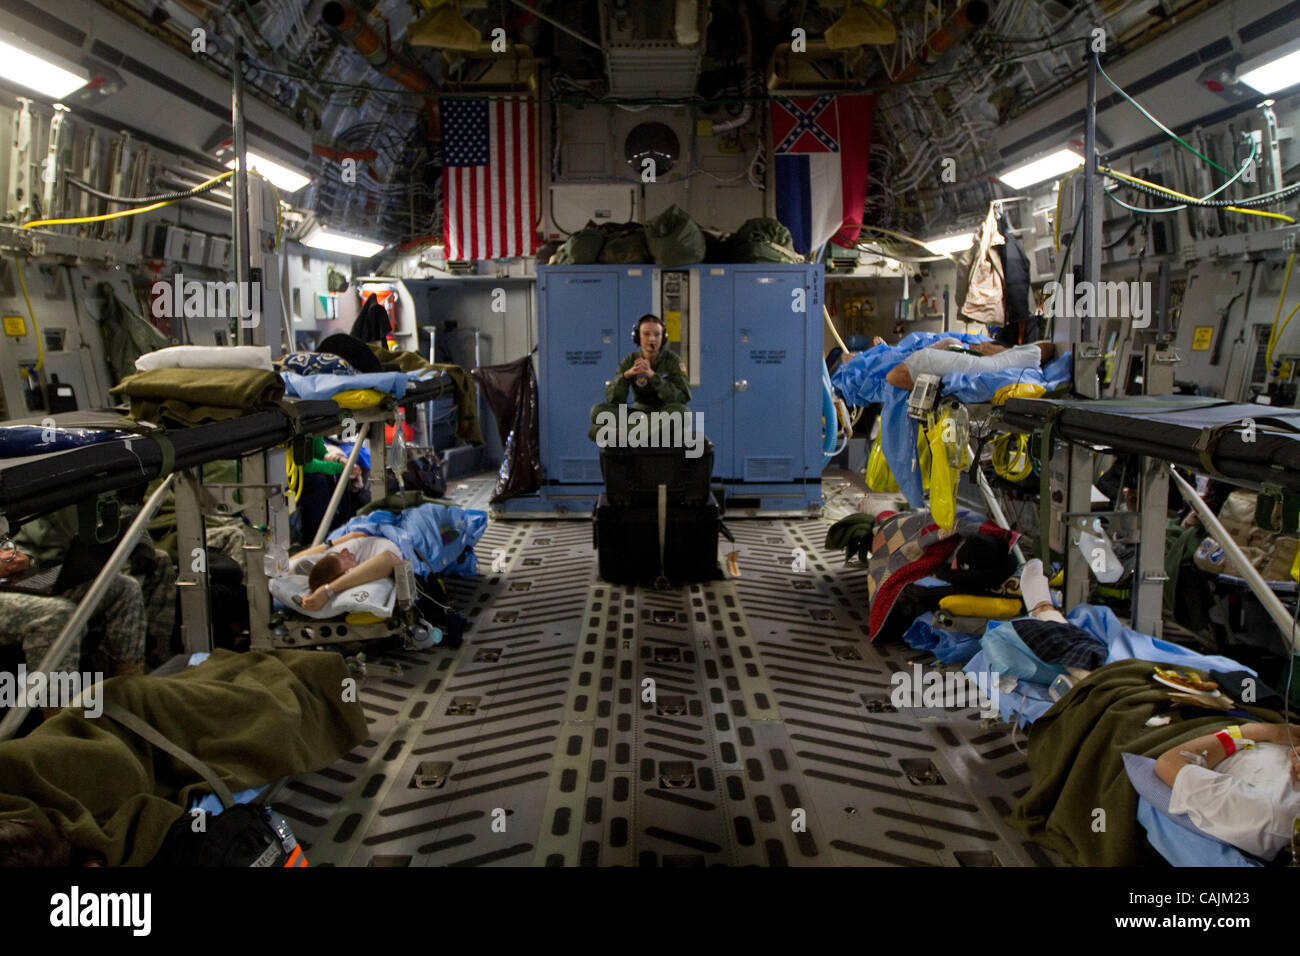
(761, 240)
(625, 244)
(582, 248)
(674, 238)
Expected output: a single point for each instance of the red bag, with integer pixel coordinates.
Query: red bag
(408, 434)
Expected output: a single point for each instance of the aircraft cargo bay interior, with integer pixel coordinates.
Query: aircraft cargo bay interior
(746, 433)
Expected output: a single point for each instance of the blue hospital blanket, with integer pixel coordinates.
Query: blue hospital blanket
(1174, 835)
(420, 529)
(861, 381)
(321, 387)
(1029, 701)
(951, 647)
(21, 440)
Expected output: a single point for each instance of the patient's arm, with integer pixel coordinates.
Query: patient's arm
(380, 566)
(899, 376)
(1172, 760)
(325, 546)
(992, 359)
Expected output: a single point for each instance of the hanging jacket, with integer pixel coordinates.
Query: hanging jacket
(1020, 327)
(372, 324)
(127, 336)
(985, 289)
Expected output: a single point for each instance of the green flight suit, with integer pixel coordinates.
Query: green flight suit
(666, 391)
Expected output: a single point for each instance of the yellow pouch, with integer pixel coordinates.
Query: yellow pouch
(971, 605)
(1019, 390)
(364, 617)
(943, 481)
(923, 458)
(879, 477)
(1295, 568)
(358, 398)
(944, 467)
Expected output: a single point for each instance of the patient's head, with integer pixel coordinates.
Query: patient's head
(326, 570)
(25, 845)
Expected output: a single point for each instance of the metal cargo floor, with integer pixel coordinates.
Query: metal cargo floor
(532, 745)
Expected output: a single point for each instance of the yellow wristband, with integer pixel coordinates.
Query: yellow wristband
(1235, 733)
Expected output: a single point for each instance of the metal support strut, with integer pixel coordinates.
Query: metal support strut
(1272, 604)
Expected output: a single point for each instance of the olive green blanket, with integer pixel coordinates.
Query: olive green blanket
(467, 427)
(192, 396)
(1075, 756)
(253, 718)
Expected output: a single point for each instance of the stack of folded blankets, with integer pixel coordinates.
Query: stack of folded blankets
(190, 385)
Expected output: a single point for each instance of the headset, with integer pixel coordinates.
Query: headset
(649, 317)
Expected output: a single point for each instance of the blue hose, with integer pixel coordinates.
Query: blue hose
(831, 426)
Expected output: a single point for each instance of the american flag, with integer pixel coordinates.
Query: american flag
(489, 178)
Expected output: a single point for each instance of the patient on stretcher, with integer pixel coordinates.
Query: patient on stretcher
(951, 355)
(352, 560)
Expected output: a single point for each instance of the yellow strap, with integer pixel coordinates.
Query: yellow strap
(970, 605)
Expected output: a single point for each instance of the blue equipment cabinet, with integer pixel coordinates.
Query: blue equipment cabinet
(751, 337)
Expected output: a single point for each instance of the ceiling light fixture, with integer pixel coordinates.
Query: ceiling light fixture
(331, 241)
(282, 177)
(959, 242)
(1274, 71)
(33, 72)
(1054, 164)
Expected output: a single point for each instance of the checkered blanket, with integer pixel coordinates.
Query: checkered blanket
(909, 546)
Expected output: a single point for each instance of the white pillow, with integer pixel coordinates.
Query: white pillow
(206, 356)
(374, 597)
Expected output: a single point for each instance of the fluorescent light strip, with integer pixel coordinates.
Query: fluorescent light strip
(958, 243)
(337, 242)
(30, 71)
(282, 177)
(1275, 75)
(1046, 167)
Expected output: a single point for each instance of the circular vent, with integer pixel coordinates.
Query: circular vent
(655, 142)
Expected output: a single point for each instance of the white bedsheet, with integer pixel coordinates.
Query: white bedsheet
(374, 597)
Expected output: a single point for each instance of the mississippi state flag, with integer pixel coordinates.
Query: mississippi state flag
(489, 178)
(821, 145)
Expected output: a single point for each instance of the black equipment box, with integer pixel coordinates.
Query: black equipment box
(633, 475)
(627, 542)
